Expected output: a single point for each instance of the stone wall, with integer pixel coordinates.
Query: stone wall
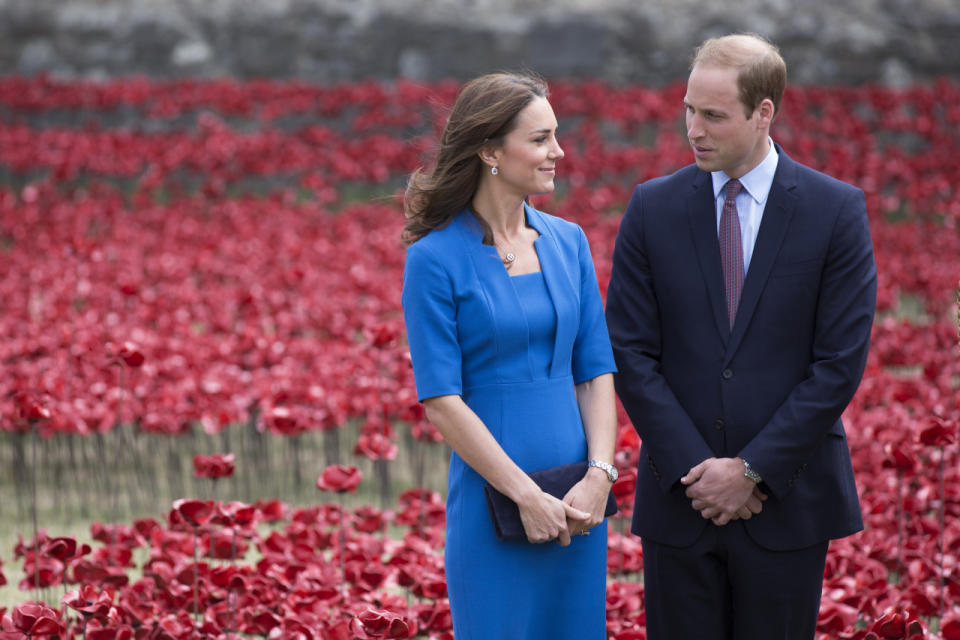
(892, 42)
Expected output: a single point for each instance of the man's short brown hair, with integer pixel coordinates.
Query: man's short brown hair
(761, 72)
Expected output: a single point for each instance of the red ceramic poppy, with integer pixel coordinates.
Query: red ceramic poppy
(271, 510)
(30, 408)
(378, 623)
(897, 458)
(384, 336)
(194, 512)
(217, 465)
(339, 478)
(950, 625)
(376, 446)
(90, 602)
(940, 433)
(31, 619)
(131, 355)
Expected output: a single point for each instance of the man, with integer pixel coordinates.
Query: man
(740, 307)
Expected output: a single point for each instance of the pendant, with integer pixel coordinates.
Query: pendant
(508, 260)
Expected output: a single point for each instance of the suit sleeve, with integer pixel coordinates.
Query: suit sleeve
(430, 316)
(672, 440)
(592, 355)
(844, 318)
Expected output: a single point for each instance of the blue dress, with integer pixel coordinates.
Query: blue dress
(513, 348)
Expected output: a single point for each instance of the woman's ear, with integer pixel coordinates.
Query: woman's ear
(489, 155)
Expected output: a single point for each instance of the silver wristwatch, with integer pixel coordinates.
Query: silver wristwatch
(611, 471)
(749, 472)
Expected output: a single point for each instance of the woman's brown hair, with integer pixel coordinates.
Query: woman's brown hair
(485, 111)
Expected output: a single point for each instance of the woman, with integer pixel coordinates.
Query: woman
(513, 365)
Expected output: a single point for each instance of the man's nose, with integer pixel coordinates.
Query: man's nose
(694, 127)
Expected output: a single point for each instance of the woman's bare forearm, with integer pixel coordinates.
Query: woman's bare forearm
(598, 410)
(469, 437)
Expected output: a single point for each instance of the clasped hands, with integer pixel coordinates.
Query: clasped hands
(547, 518)
(719, 490)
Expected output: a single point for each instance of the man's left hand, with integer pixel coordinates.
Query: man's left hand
(719, 490)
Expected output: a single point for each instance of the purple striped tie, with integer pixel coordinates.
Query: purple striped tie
(731, 249)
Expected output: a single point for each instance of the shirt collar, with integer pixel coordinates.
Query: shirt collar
(756, 182)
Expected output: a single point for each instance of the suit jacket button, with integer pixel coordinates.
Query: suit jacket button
(727, 374)
(718, 425)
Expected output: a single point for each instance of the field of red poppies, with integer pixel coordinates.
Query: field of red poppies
(213, 267)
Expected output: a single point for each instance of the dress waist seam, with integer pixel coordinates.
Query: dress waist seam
(516, 383)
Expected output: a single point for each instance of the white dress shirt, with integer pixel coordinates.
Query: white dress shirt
(750, 201)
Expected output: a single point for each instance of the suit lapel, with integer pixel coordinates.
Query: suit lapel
(780, 207)
(702, 214)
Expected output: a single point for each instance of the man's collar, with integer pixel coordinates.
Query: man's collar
(757, 181)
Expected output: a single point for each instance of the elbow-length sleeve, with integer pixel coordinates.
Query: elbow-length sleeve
(430, 316)
(592, 353)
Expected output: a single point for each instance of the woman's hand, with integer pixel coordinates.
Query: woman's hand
(589, 495)
(598, 408)
(546, 518)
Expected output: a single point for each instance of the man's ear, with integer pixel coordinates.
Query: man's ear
(766, 111)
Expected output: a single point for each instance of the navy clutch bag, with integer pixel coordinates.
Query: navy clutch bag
(556, 481)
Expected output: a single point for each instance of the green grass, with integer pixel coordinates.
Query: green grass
(128, 474)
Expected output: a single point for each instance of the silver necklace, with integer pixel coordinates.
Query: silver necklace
(509, 257)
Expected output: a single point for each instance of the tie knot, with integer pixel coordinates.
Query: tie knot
(733, 188)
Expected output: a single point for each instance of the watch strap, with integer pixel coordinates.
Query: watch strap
(608, 468)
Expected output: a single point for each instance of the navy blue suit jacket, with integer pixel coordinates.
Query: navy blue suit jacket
(772, 389)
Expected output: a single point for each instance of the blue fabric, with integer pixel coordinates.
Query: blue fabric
(537, 308)
(469, 334)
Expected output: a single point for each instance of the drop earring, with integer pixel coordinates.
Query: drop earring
(494, 171)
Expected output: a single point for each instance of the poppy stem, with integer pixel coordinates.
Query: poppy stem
(620, 559)
(383, 476)
(36, 532)
(343, 543)
(381, 464)
(18, 438)
(331, 445)
(232, 597)
(114, 477)
(943, 497)
(899, 525)
(423, 507)
(196, 574)
(292, 460)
